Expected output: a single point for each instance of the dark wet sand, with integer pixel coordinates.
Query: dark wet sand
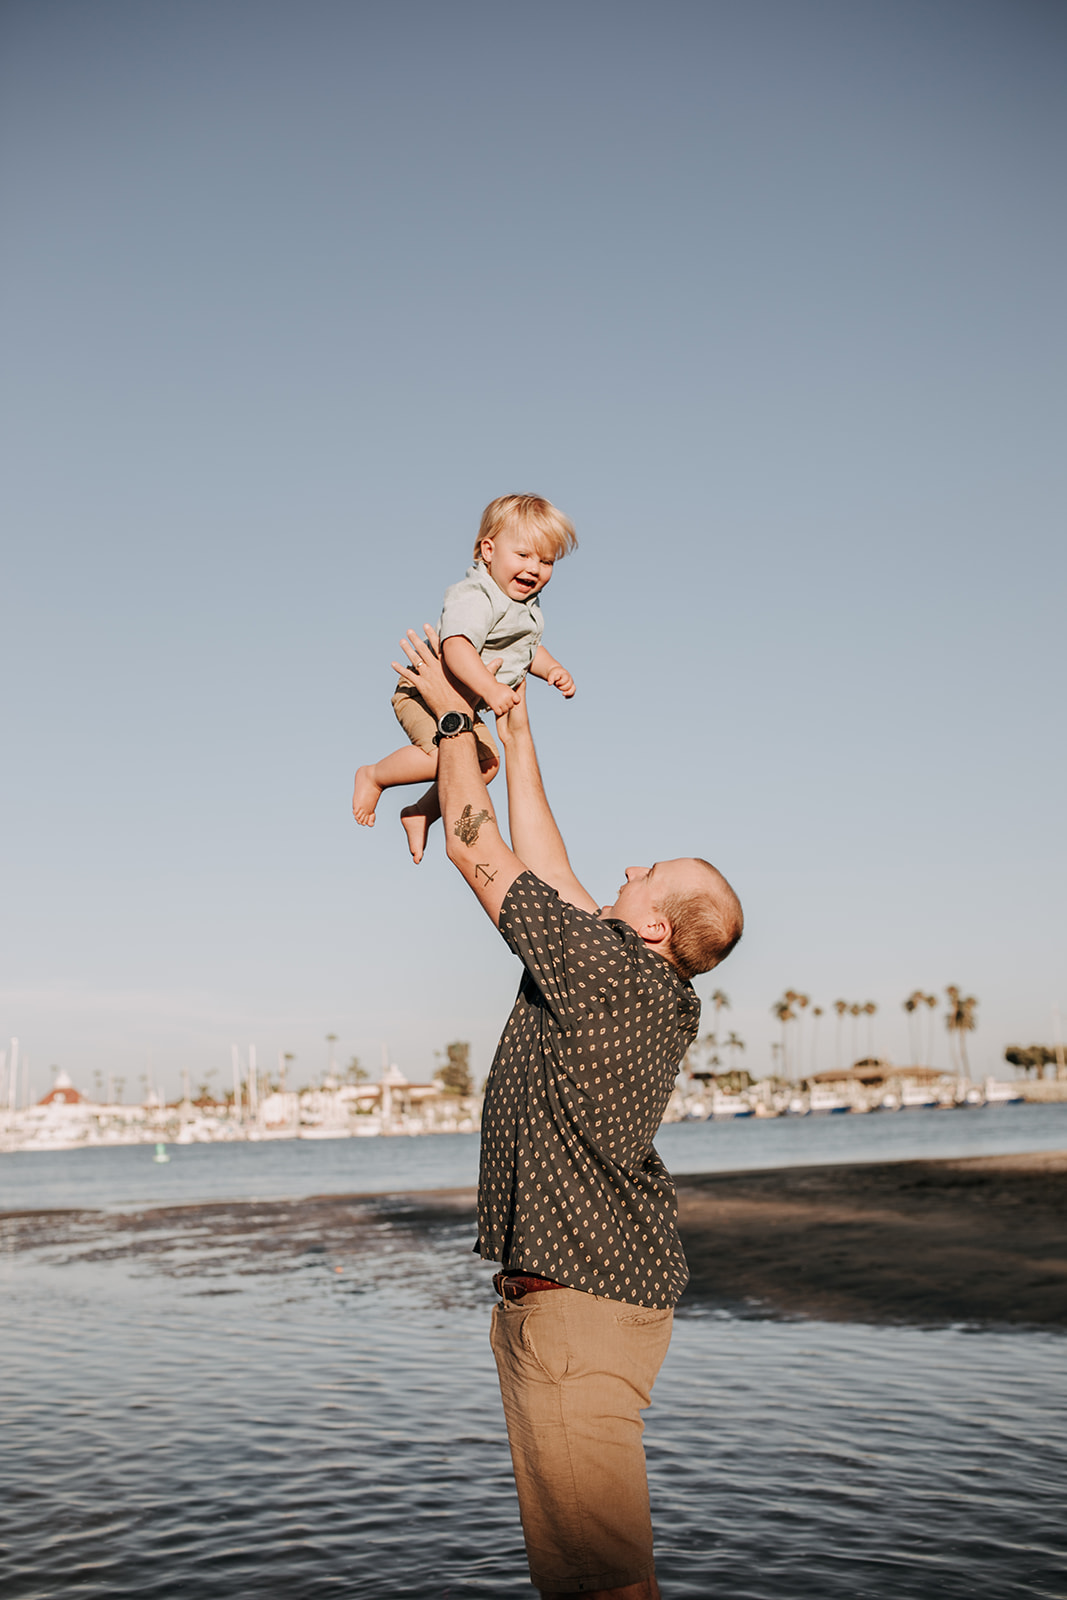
(981, 1241)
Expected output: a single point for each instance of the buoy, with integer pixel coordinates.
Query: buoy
(161, 1153)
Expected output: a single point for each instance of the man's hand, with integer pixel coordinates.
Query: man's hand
(561, 679)
(426, 672)
(516, 722)
(472, 838)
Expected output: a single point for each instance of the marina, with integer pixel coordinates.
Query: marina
(127, 1175)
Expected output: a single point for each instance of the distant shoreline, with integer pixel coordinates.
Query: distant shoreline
(979, 1241)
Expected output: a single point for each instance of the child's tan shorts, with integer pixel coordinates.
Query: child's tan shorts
(420, 725)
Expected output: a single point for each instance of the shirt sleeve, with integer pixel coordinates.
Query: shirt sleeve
(572, 957)
(467, 611)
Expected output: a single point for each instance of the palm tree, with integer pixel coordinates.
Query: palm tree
(733, 1045)
(800, 1001)
(931, 1002)
(331, 1040)
(816, 1013)
(721, 1001)
(911, 1006)
(855, 1011)
(960, 1021)
(868, 1010)
(840, 1006)
(783, 1010)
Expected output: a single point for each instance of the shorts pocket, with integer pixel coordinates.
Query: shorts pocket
(543, 1334)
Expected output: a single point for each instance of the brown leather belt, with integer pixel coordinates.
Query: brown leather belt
(517, 1285)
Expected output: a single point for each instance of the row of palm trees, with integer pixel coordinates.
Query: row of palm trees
(793, 1004)
(710, 1063)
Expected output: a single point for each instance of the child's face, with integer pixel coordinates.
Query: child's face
(515, 565)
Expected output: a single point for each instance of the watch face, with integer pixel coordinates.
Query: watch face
(451, 722)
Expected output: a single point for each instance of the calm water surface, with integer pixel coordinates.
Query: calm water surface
(127, 1176)
(205, 1421)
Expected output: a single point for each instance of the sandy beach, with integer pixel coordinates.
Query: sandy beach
(981, 1241)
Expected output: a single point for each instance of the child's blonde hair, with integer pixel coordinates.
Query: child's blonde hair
(546, 527)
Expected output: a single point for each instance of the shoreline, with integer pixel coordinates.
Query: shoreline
(979, 1241)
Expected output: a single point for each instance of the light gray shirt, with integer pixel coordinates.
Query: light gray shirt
(480, 611)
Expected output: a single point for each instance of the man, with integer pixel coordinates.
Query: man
(573, 1200)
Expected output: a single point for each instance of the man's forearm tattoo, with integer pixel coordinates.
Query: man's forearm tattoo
(468, 826)
(483, 868)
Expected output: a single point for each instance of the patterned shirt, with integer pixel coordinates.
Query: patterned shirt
(570, 1186)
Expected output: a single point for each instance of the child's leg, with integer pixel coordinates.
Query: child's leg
(420, 818)
(409, 765)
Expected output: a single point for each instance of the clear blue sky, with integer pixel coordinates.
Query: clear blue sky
(769, 297)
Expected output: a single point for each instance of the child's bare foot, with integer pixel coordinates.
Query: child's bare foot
(365, 797)
(416, 826)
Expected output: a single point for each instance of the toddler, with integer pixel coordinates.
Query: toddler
(492, 617)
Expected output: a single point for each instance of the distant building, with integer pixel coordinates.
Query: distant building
(63, 1093)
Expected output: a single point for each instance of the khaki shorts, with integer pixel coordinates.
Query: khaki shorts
(420, 725)
(575, 1374)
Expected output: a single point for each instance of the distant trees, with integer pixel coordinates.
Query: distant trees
(913, 1006)
(960, 1021)
(784, 1010)
(708, 1066)
(869, 1009)
(455, 1076)
(841, 1008)
(721, 1001)
(1030, 1058)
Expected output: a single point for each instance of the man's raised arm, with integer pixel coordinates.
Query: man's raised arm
(535, 835)
(472, 837)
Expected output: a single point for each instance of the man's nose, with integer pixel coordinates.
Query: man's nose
(634, 872)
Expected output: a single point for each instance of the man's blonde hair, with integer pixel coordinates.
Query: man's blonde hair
(548, 529)
(706, 923)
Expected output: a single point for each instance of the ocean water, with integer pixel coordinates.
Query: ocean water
(208, 1406)
(275, 1169)
(215, 1424)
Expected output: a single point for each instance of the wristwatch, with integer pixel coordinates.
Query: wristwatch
(451, 723)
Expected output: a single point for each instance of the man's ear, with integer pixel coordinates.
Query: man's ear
(656, 933)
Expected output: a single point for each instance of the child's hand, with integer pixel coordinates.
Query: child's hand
(561, 679)
(500, 699)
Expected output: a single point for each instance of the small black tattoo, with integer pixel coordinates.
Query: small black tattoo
(468, 826)
(483, 867)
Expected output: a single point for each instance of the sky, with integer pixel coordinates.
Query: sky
(768, 297)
